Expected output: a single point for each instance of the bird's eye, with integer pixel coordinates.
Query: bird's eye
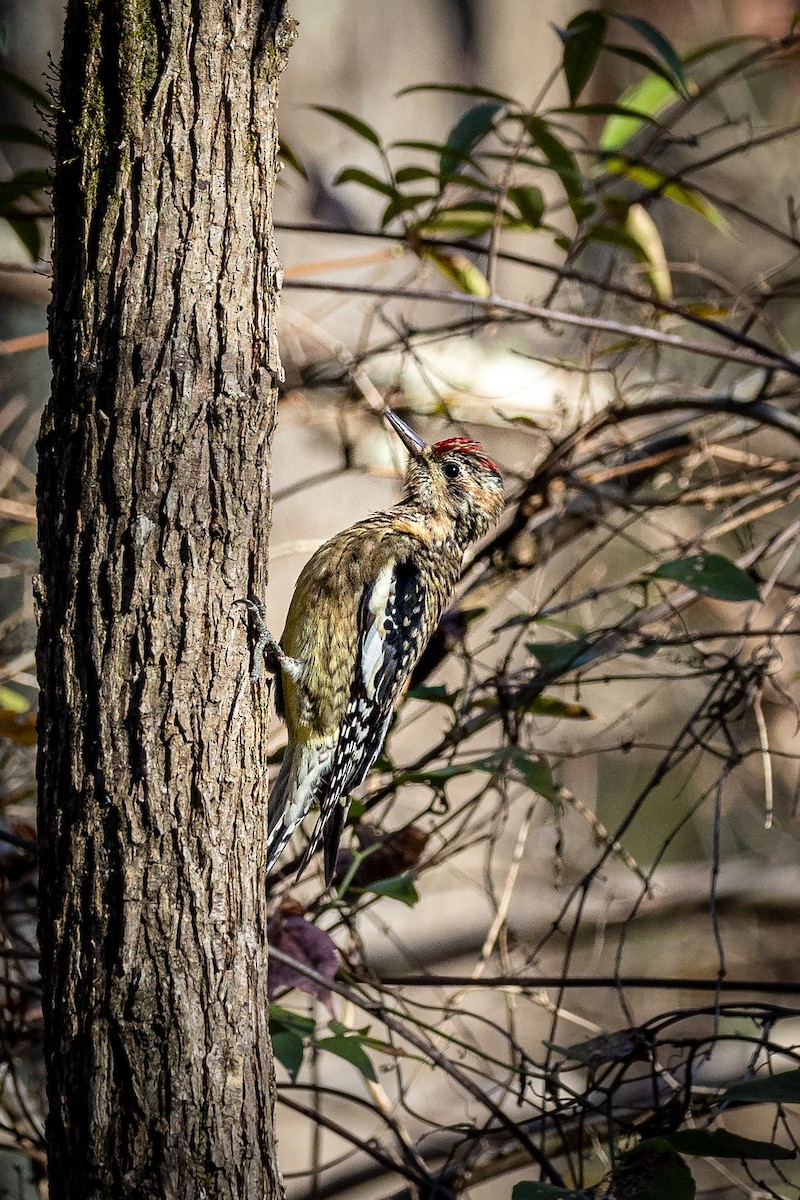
(452, 470)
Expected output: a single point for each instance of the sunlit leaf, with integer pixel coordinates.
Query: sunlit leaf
(551, 706)
(583, 41)
(653, 180)
(646, 99)
(649, 249)
(767, 1089)
(347, 119)
(460, 271)
(710, 575)
(13, 701)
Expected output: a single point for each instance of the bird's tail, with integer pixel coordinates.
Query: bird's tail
(301, 781)
(284, 816)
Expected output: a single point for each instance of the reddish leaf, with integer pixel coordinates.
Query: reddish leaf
(395, 854)
(292, 934)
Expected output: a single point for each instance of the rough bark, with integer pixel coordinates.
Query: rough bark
(154, 515)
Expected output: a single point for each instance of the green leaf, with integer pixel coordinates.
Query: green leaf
(583, 41)
(541, 1191)
(536, 774)
(287, 154)
(458, 89)
(347, 119)
(288, 1049)
(648, 99)
(767, 1089)
(475, 124)
(662, 46)
(722, 1144)
(398, 887)
(647, 61)
(460, 271)
(560, 158)
(438, 694)
(435, 775)
(472, 218)
(710, 575)
(402, 204)
(662, 185)
(284, 1018)
(13, 701)
(560, 656)
(350, 1048)
(413, 174)
(551, 706)
(639, 234)
(529, 202)
(437, 148)
(366, 179)
(607, 110)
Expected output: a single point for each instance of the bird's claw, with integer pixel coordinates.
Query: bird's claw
(266, 649)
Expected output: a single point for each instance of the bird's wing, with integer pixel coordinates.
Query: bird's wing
(394, 622)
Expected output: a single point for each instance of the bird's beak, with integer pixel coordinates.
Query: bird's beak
(412, 441)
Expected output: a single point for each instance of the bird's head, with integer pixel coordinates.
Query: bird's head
(455, 478)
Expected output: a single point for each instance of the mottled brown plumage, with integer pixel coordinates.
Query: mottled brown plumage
(363, 610)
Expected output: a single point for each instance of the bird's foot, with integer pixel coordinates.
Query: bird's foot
(266, 650)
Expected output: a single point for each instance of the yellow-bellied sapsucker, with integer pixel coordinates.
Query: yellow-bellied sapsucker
(363, 610)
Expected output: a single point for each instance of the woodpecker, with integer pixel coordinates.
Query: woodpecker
(362, 612)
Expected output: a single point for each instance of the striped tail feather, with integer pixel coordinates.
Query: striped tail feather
(301, 781)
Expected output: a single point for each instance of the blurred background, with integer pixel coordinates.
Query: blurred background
(596, 773)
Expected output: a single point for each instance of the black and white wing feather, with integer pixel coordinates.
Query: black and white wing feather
(394, 624)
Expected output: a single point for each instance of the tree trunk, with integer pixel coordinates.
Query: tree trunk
(154, 512)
